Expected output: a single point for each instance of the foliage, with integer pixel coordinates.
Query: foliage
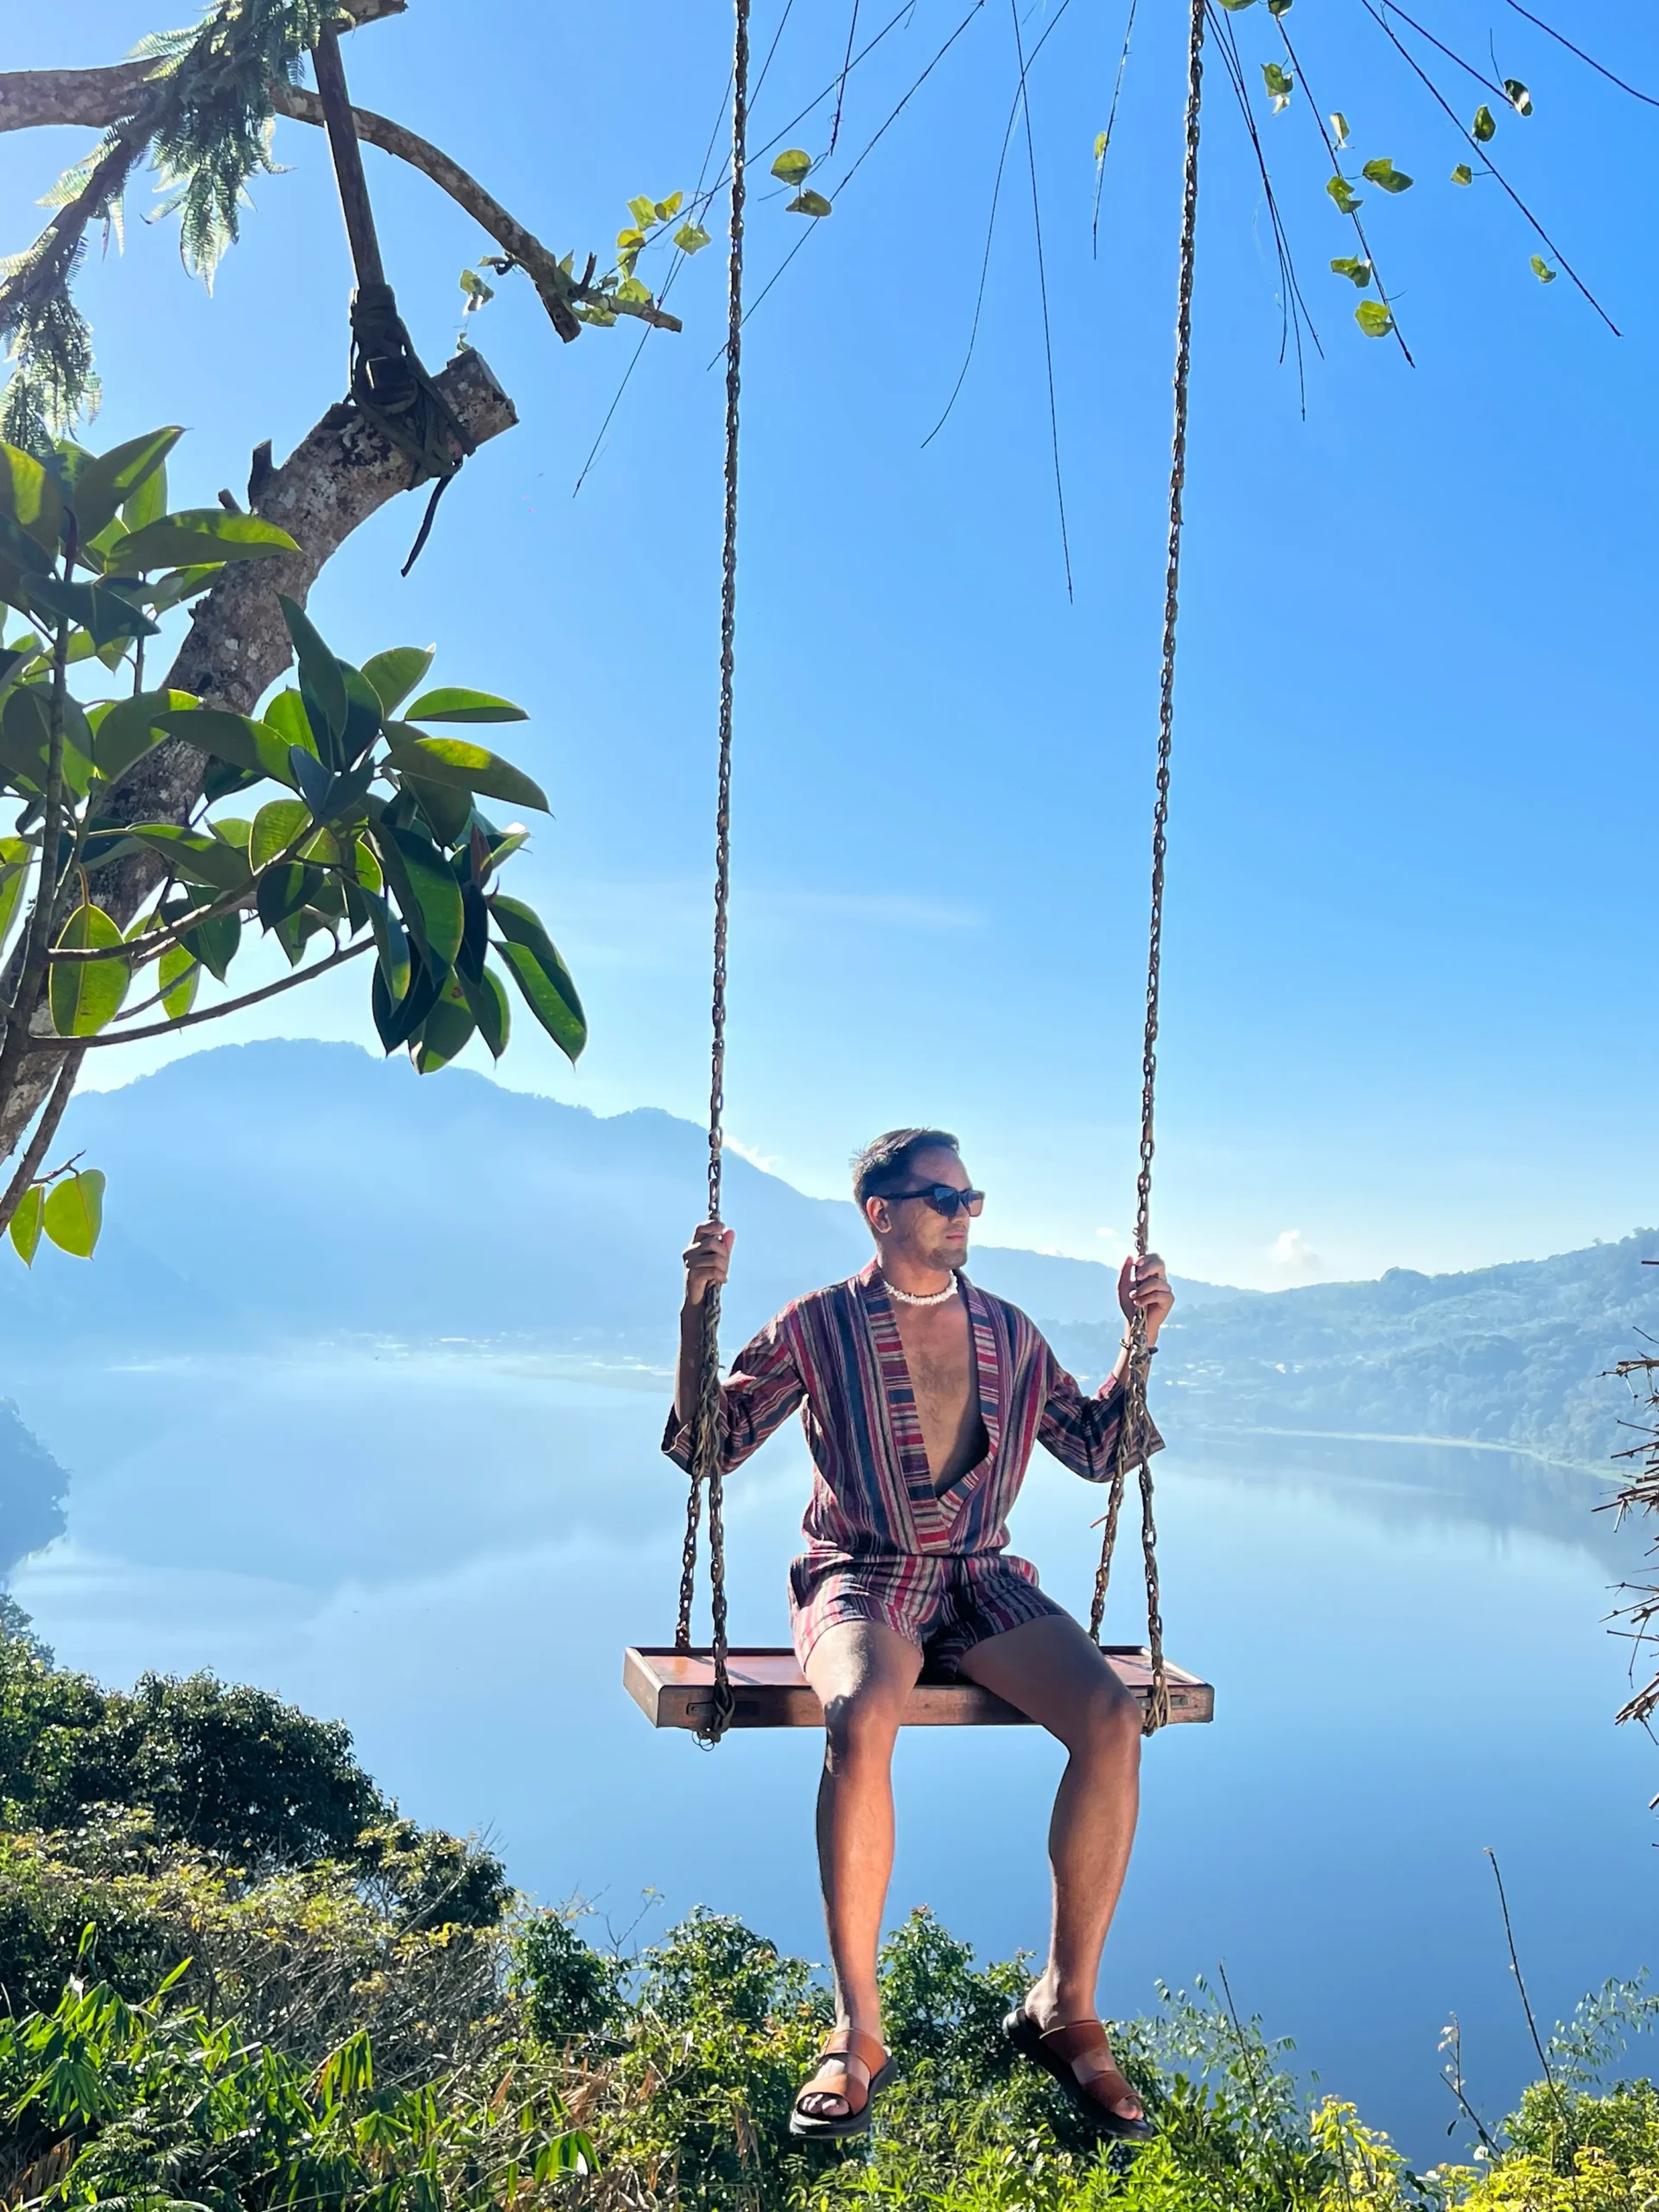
(366, 829)
(154, 2106)
(571, 1993)
(1640, 1495)
(225, 1769)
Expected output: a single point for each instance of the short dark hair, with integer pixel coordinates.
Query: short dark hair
(883, 1166)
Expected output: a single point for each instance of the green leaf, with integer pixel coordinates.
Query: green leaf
(16, 856)
(193, 858)
(319, 671)
(644, 211)
(174, 590)
(276, 826)
(245, 743)
(398, 1020)
(286, 715)
(214, 943)
(1542, 270)
(195, 535)
(112, 479)
(691, 237)
(179, 974)
(1344, 195)
(85, 996)
(474, 768)
(394, 675)
(630, 241)
(792, 166)
(1484, 125)
(1234, 6)
(25, 733)
(428, 895)
(1356, 271)
(1384, 175)
(541, 975)
(285, 890)
(31, 503)
(490, 1007)
(1374, 318)
(451, 704)
(131, 728)
(148, 503)
(448, 809)
(1279, 83)
(73, 1213)
(26, 1223)
(1462, 174)
(446, 1031)
(1517, 96)
(99, 607)
(809, 203)
(1339, 129)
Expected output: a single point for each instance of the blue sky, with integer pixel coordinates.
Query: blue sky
(1409, 892)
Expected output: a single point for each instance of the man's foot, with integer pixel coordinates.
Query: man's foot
(853, 2070)
(1078, 2054)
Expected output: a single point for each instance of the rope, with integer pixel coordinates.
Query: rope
(1133, 1448)
(389, 386)
(705, 1451)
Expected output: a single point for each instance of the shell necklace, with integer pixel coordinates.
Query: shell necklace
(912, 1297)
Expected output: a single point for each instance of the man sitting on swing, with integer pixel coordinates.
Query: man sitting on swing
(922, 1397)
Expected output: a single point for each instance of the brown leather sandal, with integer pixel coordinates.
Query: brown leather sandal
(847, 2049)
(1056, 2050)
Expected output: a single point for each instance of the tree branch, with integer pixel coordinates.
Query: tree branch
(45, 1129)
(100, 99)
(43, 1044)
(538, 264)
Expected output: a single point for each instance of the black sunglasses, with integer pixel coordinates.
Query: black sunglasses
(944, 1198)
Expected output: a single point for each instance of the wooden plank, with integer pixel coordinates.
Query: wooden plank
(671, 1689)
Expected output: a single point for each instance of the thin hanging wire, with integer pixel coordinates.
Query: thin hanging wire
(1134, 1450)
(705, 1451)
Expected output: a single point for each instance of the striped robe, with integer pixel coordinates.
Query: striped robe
(879, 1544)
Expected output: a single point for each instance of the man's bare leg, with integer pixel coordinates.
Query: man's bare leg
(864, 1672)
(1050, 1669)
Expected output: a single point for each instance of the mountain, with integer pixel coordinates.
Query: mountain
(287, 1191)
(1516, 1355)
(298, 1190)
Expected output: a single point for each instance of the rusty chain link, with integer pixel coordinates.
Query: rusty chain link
(1134, 1437)
(705, 1450)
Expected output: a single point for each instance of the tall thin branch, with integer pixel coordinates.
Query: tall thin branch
(1042, 294)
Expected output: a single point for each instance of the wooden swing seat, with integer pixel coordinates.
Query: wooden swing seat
(673, 1690)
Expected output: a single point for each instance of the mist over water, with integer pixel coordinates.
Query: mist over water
(449, 1552)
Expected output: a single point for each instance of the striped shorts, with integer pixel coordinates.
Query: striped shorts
(942, 1602)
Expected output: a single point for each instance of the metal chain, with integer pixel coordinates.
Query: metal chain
(1134, 1439)
(705, 1451)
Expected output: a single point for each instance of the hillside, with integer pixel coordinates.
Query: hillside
(325, 1194)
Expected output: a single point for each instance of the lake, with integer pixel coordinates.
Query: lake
(449, 1552)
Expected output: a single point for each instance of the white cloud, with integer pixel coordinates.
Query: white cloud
(1114, 1237)
(766, 1161)
(1292, 1254)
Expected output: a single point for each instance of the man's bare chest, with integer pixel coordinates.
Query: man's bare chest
(944, 1381)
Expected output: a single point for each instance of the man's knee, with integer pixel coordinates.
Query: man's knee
(1108, 1726)
(861, 1727)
